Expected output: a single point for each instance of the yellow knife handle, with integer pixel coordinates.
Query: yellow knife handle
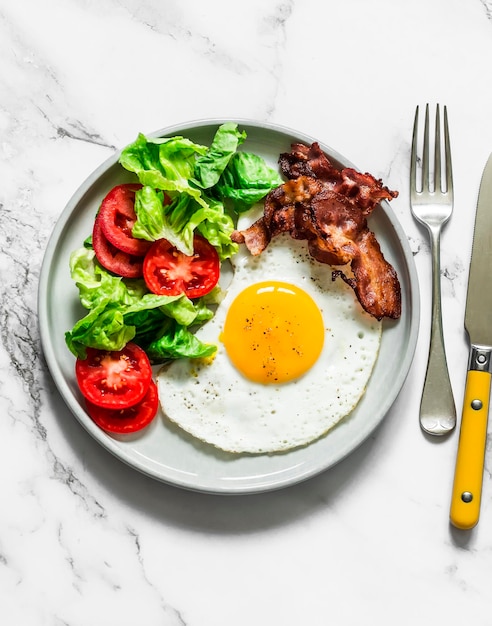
(468, 477)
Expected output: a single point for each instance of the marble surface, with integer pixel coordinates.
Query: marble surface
(84, 539)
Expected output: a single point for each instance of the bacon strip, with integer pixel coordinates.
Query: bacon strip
(329, 208)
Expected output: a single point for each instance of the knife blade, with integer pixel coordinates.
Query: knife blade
(470, 456)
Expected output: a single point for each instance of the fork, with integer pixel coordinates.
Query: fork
(431, 203)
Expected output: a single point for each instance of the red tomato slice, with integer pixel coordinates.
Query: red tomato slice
(129, 420)
(114, 260)
(116, 218)
(114, 380)
(169, 272)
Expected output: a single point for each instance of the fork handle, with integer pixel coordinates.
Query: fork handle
(437, 407)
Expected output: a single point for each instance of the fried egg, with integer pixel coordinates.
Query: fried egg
(295, 351)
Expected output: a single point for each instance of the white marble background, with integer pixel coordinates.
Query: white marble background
(85, 540)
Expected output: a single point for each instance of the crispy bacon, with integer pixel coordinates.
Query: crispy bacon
(311, 161)
(329, 208)
(375, 281)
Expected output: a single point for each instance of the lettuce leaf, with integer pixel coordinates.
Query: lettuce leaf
(122, 310)
(176, 221)
(247, 179)
(186, 185)
(103, 328)
(170, 205)
(166, 164)
(210, 166)
(174, 341)
(163, 338)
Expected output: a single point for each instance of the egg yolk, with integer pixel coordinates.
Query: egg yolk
(273, 332)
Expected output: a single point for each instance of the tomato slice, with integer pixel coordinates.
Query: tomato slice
(117, 217)
(167, 271)
(114, 380)
(129, 420)
(114, 260)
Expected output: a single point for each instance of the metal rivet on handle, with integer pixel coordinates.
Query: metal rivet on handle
(466, 496)
(476, 405)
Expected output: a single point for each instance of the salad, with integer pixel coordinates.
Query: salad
(148, 273)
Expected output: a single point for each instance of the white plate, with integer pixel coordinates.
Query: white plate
(163, 451)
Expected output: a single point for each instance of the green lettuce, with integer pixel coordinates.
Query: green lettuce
(170, 205)
(210, 166)
(177, 221)
(186, 186)
(166, 163)
(174, 341)
(246, 180)
(123, 310)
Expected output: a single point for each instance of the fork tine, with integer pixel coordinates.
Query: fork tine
(425, 153)
(413, 157)
(447, 150)
(437, 153)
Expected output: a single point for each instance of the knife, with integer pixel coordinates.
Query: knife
(468, 477)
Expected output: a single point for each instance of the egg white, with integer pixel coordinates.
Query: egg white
(214, 402)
